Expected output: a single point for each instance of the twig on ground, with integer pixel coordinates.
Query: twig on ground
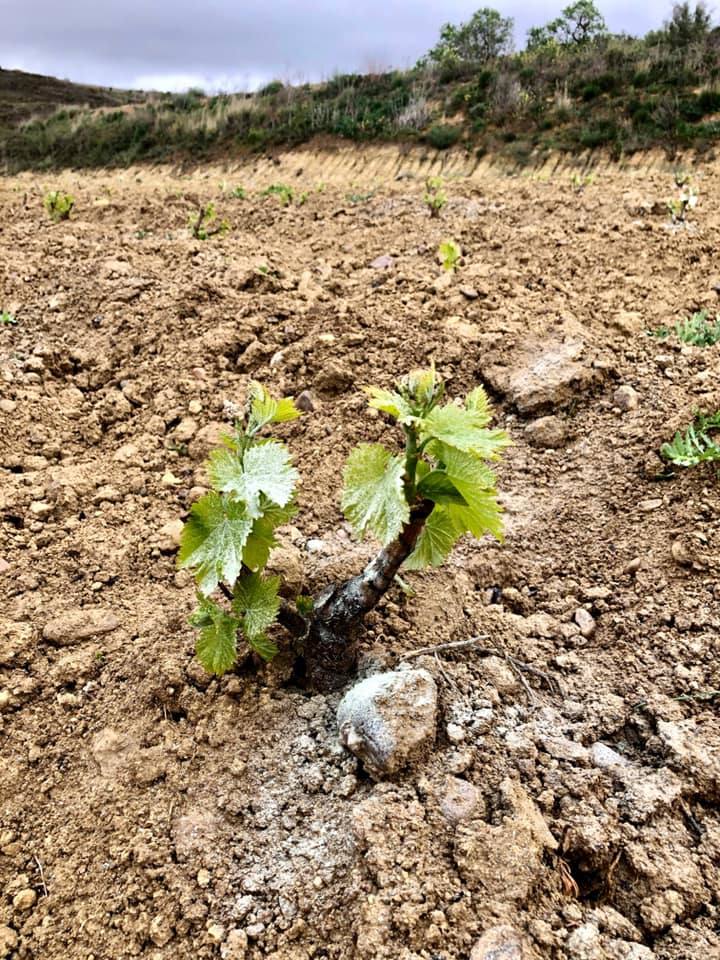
(474, 643)
(42, 875)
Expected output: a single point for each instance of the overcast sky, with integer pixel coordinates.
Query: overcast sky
(238, 44)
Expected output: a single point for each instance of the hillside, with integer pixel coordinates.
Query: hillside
(618, 94)
(27, 95)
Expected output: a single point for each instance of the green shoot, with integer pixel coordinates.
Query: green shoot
(449, 253)
(7, 319)
(578, 182)
(698, 330)
(356, 198)
(202, 223)
(228, 536)
(443, 465)
(282, 191)
(239, 193)
(435, 197)
(686, 200)
(58, 205)
(696, 445)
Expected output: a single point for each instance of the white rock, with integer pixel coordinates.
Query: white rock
(387, 719)
(605, 757)
(501, 943)
(585, 621)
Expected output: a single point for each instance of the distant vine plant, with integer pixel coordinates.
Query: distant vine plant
(417, 502)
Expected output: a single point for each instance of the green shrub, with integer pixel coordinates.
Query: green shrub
(443, 136)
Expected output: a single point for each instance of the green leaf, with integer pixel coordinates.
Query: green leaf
(696, 445)
(390, 402)
(213, 539)
(465, 430)
(436, 540)
(479, 403)
(216, 646)
(265, 469)
(262, 538)
(482, 515)
(256, 600)
(438, 486)
(373, 497)
(266, 409)
(263, 646)
(475, 482)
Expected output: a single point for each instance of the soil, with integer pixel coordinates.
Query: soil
(567, 811)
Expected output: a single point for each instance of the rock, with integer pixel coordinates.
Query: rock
(161, 930)
(235, 946)
(547, 374)
(185, 430)
(548, 433)
(216, 932)
(626, 398)
(647, 794)
(470, 293)
(585, 621)
(564, 749)
(79, 624)
(8, 940)
(304, 402)
(501, 943)
(287, 560)
(661, 910)
(584, 943)
(455, 733)
(606, 758)
(694, 748)
(388, 718)
(461, 801)
(7, 405)
(383, 262)
(170, 534)
(625, 950)
(24, 900)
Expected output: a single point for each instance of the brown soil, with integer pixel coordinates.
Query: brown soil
(148, 810)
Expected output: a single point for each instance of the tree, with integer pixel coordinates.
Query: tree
(579, 24)
(485, 36)
(686, 26)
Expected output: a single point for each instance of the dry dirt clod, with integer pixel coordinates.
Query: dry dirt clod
(626, 398)
(549, 433)
(388, 718)
(8, 941)
(81, 623)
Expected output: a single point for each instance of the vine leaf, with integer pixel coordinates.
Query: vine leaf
(264, 469)
(213, 539)
(257, 601)
(216, 646)
(373, 497)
